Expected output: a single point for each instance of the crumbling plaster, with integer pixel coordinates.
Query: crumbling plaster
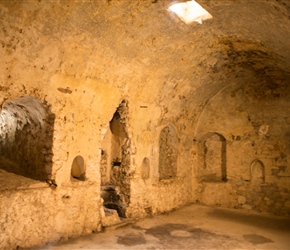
(83, 58)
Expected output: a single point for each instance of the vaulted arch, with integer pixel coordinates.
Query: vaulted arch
(26, 130)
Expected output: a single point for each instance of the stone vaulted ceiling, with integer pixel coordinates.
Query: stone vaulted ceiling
(140, 49)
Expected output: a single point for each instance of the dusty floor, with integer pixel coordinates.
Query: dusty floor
(193, 227)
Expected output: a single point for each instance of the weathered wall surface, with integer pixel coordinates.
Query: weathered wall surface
(81, 59)
(33, 213)
(254, 120)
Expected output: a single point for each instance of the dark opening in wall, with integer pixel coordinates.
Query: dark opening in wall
(212, 166)
(26, 131)
(115, 162)
(78, 169)
(145, 168)
(168, 150)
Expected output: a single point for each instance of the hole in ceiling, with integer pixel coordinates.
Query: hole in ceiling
(190, 12)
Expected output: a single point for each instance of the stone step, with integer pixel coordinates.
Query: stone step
(123, 222)
(109, 217)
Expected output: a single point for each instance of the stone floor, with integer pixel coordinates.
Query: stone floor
(192, 227)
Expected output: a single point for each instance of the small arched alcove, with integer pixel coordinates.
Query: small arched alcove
(26, 131)
(119, 135)
(212, 165)
(145, 169)
(257, 172)
(168, 151)
(78, 169)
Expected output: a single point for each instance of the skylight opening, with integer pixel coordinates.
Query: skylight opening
(190, 12)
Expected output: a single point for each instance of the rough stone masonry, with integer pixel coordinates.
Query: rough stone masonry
(123, 94)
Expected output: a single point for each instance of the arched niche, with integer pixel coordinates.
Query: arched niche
(168, 151)
(26, 132)
(212, 165)
(145, 169)
(113, 144)
(78, 169)
(119, 136)
(115, 161)
(257, 172)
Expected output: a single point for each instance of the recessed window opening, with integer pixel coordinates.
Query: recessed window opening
(190, 12)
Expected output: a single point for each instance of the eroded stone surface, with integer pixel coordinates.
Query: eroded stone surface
(81, 62)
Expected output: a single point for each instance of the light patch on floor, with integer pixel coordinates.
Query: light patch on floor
(198, 227)
(180, 233)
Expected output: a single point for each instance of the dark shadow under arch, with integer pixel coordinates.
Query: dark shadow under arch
(78, 169)
(26, 132)
(115, 161)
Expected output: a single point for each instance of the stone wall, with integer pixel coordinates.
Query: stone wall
(34, 213)
(257, 148)
(79, 61)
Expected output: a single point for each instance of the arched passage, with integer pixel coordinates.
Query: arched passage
(115, 162)
(26, 130)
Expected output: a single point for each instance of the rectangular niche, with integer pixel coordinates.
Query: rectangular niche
(168, 151)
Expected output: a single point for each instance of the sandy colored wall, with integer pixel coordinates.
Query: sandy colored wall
(32, 213)
(82, 59)
(82, 82)
(256, 134)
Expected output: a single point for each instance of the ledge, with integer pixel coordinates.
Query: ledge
(11, 181)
